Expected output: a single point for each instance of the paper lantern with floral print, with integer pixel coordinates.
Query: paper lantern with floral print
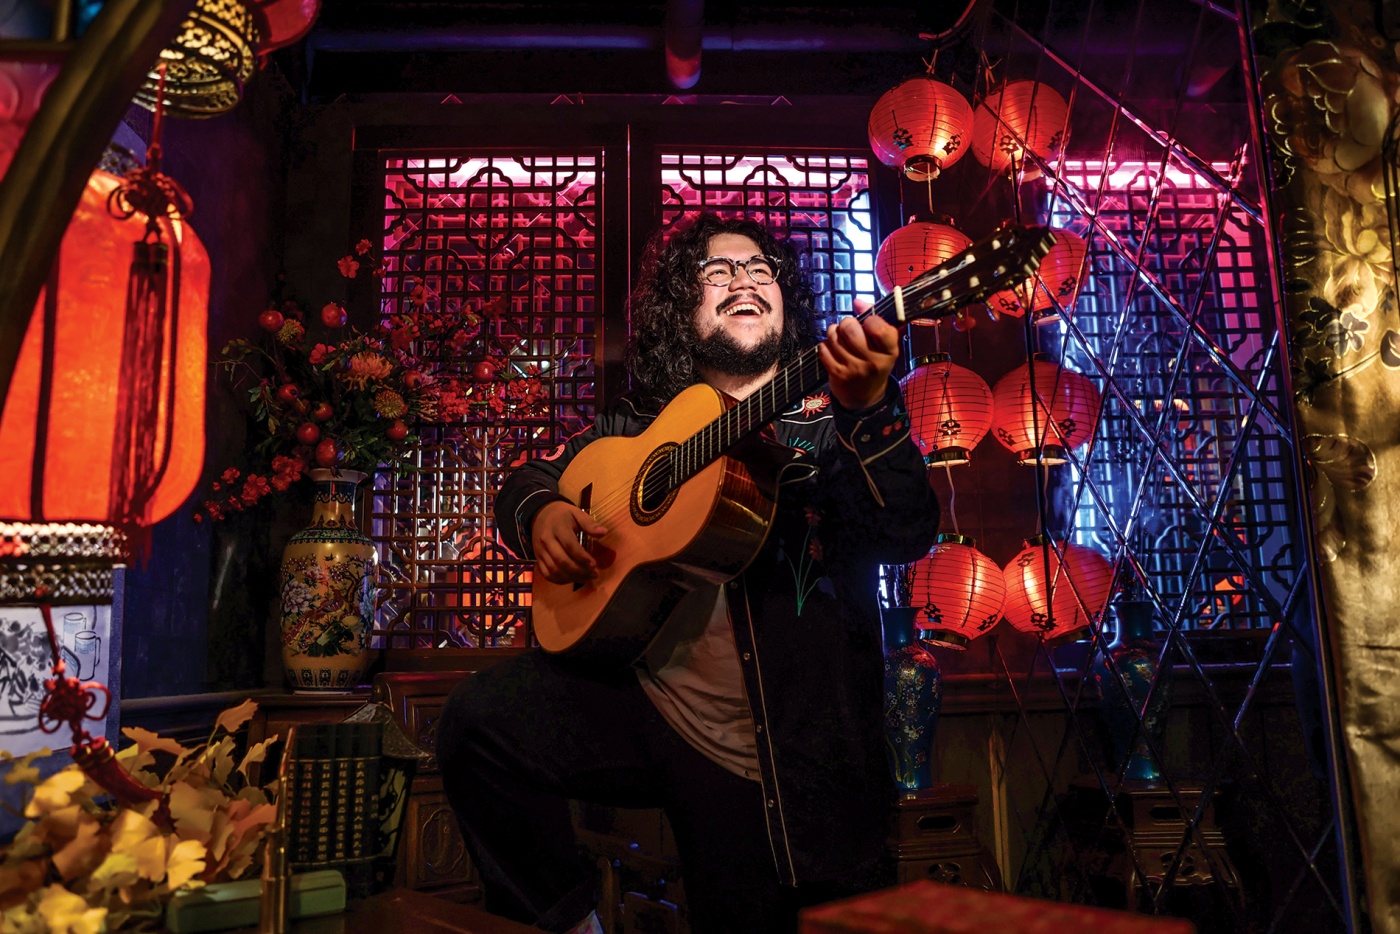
(63, 451)
(1043, 411)
(950, 409)
(1054, 286)
(920, 127)
(913, 250)
(1057, 589)
(1023, 115)
(957, 591)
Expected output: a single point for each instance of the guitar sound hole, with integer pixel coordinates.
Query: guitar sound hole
(652, 491)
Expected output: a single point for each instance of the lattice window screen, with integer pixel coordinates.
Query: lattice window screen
(1191, 466)
(515, 239)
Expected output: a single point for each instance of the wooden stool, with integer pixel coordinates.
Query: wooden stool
(1127, 856)
(934, 838)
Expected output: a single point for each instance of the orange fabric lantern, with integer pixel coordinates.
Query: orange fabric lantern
(950, 409)
(1054, 287)
(958, 591)
(920, 127)
(1041, 426)
(60, 446)
(1057, 589)
(1023, 115)
(283, 22)
(913, 250)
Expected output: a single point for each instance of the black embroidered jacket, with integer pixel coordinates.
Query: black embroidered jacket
(805, 616)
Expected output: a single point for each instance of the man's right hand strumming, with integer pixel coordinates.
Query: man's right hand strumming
(559, 555)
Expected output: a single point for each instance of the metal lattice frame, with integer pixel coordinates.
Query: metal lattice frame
(516, 240)
(1188, 485)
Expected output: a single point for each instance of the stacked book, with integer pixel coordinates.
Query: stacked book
(333, 791)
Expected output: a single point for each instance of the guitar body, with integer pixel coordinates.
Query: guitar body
(704, 532)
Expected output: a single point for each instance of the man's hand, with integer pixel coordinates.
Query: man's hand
(559, 555)
(859, 357)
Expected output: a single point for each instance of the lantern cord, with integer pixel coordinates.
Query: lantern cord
(952, 499)
(68, 702)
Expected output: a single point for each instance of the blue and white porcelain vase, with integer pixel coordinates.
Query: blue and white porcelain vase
(913, 697)
(1135, 652)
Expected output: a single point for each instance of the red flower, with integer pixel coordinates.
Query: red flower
(254, 489)
(320, 352)
(348, 266)
(231, 475)
(363, 247)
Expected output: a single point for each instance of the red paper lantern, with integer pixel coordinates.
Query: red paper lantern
(1054, 287)
(920, 127)
(283, 22)
(913, 250)
(60, 445)
(950, 409)
(1041, 427)
(1023, 115)
(1057, 589)
(958, 592)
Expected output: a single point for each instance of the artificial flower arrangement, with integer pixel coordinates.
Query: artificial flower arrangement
(351, 400)
(83, 864)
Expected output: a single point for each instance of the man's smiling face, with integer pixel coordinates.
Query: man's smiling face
(740, 325)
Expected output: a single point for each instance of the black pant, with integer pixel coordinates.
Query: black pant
(519, 739)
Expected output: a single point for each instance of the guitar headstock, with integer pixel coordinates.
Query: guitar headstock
(1000, 261)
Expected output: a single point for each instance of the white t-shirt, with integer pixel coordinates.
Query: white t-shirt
(693, 677)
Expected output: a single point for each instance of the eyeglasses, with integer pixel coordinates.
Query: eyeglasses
(721, 270)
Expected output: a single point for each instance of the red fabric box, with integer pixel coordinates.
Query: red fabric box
(933, 908)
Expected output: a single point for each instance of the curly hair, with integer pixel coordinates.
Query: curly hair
(661, 351)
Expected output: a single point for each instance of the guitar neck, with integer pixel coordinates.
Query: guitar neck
(1010, 255)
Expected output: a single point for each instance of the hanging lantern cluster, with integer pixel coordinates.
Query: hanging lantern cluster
(1021, 117)
(1057, 589)
(914, 249)
(1043, 411)
(957, 592)
(1054, 287)
(102, 432)
(950, 409)
(920, 127)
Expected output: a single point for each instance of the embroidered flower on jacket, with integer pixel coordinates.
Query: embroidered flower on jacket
(813, 404)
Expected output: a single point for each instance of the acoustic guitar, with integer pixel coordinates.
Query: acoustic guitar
(688, 502)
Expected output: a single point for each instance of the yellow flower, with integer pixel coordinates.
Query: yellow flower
(389, 403)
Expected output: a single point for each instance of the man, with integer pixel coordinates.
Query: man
(754, 718)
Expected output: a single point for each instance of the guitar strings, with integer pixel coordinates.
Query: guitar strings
(663, 477)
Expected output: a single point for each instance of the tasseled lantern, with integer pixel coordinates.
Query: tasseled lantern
(1056, 284)
(913, 250)
(920, 127)
(207, 63)
(104, 421)
(1057, 589)
(1023, 115)
(957, 591)
(283, 22)
(1042, 427)
(950, 409)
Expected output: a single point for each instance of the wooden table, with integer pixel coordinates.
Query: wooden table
(407, 910)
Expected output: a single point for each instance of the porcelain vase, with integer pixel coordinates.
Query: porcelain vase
(1135, 653)
(328, 579)
(913, 698)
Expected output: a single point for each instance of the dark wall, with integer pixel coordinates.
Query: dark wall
(193, 622)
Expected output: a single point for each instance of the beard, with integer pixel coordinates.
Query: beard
(719, 351)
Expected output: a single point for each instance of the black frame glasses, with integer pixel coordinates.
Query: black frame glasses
(709, 275)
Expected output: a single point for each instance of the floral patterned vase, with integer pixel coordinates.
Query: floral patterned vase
(913, 697)
(1135, 652)
(328, 578)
